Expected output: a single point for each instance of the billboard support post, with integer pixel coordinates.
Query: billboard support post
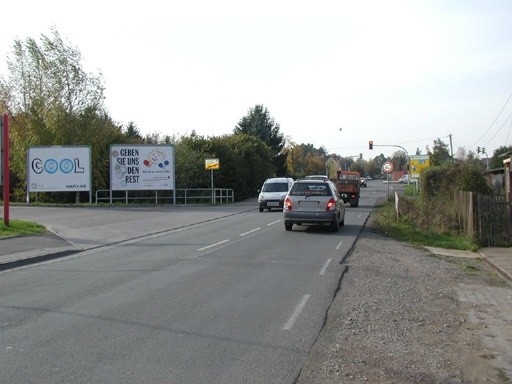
(5, 166)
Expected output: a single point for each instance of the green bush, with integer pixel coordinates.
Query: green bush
(434, 209)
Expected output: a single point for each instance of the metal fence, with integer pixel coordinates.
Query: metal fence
(176, 196)
(485, 218)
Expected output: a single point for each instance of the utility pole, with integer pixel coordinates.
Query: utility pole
(451, 147)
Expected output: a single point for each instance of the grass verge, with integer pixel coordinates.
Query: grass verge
(19, 227)
(405, 229)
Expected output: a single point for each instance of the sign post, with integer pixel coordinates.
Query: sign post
(388, 168)
(212, 164)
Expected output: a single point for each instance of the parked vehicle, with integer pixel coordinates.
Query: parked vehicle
(404, 179)
(313, 202)
(348, 186)
(272, 193)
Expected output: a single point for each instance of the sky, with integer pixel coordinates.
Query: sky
(332, 73)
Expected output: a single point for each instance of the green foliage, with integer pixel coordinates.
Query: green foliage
(133, 133)
(406, 228)
(189, 168)
(435, 209)
(18, 227)
(399, 160)
(259, 123)
(245, 162)
(358, 166)
(305, 159)
(440, 182)
(497, 161)
(48, 76)
(53, 101)
(439, 154)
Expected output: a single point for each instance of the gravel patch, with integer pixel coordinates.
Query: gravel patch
(400, 317)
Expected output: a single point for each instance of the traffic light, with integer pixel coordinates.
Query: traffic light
(370, 144)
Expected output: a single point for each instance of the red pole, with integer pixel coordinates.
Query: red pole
(5, 162)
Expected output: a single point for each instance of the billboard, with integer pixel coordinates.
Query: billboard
(141, 167)
(59, 169)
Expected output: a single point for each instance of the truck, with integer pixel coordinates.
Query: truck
(348, 186)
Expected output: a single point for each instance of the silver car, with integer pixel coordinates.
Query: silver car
(313, 202)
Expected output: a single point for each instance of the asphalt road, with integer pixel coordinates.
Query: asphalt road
(160, 296)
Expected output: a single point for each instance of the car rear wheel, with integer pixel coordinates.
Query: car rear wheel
(288, 225)
(335, 226)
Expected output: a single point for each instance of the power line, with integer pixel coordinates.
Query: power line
(497, 116)
(498, 131)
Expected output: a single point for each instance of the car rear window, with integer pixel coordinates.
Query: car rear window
(275, 187)
(313, 189)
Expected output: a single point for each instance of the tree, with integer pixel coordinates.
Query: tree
(50, 74)
(53, 101)
(244, 163)
(259, 123)
(439, 155)
(467, 157)
(133, 132)
(400, 161)
(497, 160)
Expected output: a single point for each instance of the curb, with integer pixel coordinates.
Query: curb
(501, 271)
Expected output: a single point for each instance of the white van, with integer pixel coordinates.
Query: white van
(273, 192)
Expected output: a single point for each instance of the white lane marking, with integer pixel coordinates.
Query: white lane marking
(359, 216)
(324, 268)
(298, 309)
(251, 231)
(213, 245)
(339, 245)
(274, 222)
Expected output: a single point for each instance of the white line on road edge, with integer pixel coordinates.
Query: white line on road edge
(324, 268)
(272, 223)
(251, 231)
(339, 245)
(213, 245)
(298, 309)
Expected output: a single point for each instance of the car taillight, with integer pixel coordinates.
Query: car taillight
(287, 204)
(331, 205)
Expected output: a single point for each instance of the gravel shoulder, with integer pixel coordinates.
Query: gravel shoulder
(404, 315)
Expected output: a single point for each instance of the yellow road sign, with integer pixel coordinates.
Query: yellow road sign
(211, 164)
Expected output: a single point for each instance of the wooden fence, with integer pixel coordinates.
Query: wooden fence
(486, 219)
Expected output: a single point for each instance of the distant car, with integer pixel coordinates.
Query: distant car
(362, 182)
(313, 202)
(404, 179)
(272, 193)
(317, 177)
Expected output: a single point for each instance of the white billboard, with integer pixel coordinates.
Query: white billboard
(141, 167)
(59, 169)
